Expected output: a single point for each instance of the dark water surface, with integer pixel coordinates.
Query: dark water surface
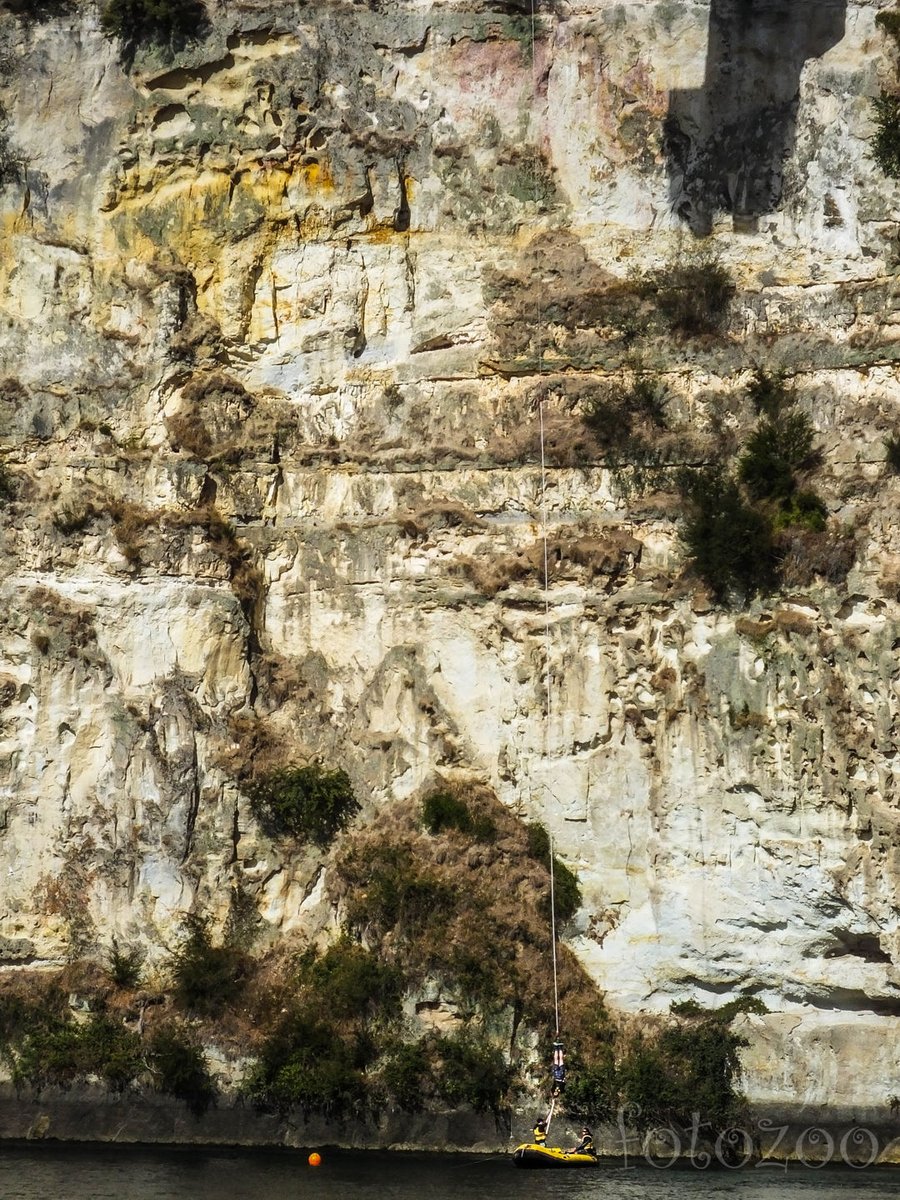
(49, 1172)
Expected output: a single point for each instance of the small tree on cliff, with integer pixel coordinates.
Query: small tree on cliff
(166, 22)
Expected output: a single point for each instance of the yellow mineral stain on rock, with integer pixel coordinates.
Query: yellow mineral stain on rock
(317, 176)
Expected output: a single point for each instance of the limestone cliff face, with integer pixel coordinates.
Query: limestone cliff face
(310, 276)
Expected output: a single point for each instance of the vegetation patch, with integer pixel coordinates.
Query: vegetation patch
(445, 809)
(36, 10)
(179, 1067)
(125, 965)
(567, 893)
(729, 541)
(885, 142)
(687, 1066)
(472, 916)
(140, 532)
(779, 447)
(889, 21)
(340, 1012)
(693, 295)
(7, 485)
(757, 527)
(206, 978)
(167, 22)
(44, 1045)
(472, 1072)
(892, 453)
(310, 803)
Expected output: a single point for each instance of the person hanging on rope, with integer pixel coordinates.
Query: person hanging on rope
(558, 1070)
(585, 1144)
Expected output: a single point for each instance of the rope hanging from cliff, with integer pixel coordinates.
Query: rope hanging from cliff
(558, 1067)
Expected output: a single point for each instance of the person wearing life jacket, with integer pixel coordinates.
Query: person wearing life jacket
(540, 1132)
(586, 1144)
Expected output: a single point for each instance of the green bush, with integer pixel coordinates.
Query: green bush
(886, 140)
(729, 541)
(20, 1015)
(770, 394)
(391, 891)
(160, 21)
(693, 296)
(442, 810)
(592, 1092)
(180, 1069)
(775, 451)
(309, 803)
(567, 893)
(125, 965)
(471, 1071)
(243, 920)
(613, 416)
(307, 1063)
(689, 1068)
(206, 978)
(350, 982)
(62, 1051)
(804, 510)
(892, 453)
(407, 1075)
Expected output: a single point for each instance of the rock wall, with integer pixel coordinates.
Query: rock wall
(310, 276)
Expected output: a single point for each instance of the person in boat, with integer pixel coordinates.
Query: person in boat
(585, 1144)
(540, 1132)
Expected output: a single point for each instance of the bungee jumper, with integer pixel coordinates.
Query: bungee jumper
(558, 1070)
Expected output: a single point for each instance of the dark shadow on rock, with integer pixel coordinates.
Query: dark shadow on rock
(726, 142)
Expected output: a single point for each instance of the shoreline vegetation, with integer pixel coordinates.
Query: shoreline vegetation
(432, 996)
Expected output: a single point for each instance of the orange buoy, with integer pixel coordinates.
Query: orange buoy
(315, 1160)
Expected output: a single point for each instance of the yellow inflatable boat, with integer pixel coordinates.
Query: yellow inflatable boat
(530, 1154)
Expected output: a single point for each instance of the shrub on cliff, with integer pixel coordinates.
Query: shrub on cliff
(689, 1067)
(179, 1067)
(124, 965)
(391, 891)
(567, 893)
(886, 140)
(693, 296)
(408, 1075)
(778, 448)
(889, 22)
(337, 1013)
(443, 810)
(305, 1063)
(309, 803)
(206, 978)
(60, 1052)
(350, 983)
(729, 541)
(892, 453)
(161, 21)
(471, 1071)
(592, 1091)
